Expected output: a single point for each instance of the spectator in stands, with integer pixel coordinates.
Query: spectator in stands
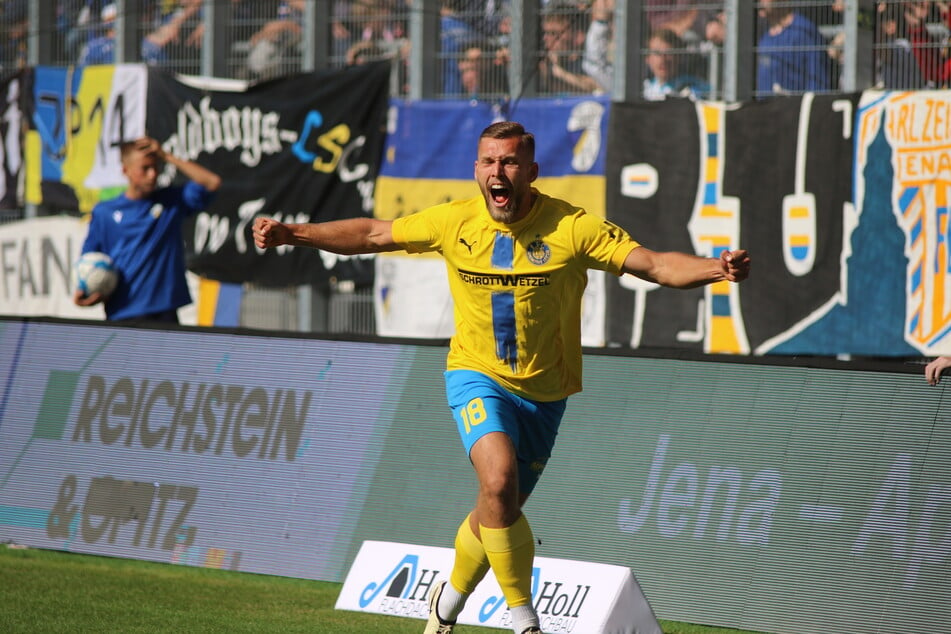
(380, 20)
(711, 50)
(341, 29)
(934, 369)
(496, 12)
(76, 21)
(498, 37)
(245, 22)
(715, 29)
(561, 69)
(102, 49)
(791, 53)
(472, 71)
(173, 29)
(665, 55)
(927, 48)
(14, 26)
(456, 35)
(382, 37)
(365, 51)
(831, 17)
(598, 62)
(274, 48)
(896, 66)
(480, 74)
(369, 29)
(141, 230)
(484, 64)
(494, 51)
(683, 17)
(828, 13)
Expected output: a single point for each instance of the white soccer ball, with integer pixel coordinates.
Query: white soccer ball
(94, 272)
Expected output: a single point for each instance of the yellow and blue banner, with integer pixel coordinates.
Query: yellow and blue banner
(219, 303)
(76, 119)
(430, 159)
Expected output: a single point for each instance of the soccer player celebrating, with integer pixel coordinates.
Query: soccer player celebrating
(517, 261)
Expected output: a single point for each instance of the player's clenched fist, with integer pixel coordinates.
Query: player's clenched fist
(736, 264)
(269, 232)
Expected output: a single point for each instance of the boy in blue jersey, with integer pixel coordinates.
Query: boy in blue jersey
(517, 262)
(141, 230)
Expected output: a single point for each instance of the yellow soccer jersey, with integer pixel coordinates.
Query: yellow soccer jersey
(517, 288)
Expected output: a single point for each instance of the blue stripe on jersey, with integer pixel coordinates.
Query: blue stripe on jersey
(503, 326)
(503, 303)
(503, 252)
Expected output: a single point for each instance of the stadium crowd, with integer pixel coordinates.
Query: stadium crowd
(798, 45)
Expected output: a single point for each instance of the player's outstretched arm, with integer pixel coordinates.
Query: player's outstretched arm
(934, 369)
(683, 270)
(346, 237)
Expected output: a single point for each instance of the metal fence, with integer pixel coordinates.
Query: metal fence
(505, 49)
(496, 50)
(338, 309)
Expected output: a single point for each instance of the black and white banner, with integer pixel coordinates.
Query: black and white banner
(11, 141)
(304, 148)
(771, 176)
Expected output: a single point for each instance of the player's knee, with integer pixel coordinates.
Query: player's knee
(500, 485)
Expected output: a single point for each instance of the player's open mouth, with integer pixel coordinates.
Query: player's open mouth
(500, 194)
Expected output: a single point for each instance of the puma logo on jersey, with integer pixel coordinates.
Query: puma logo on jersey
(463, 242)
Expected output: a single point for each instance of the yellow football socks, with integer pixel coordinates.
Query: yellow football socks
(511, 552)
(471, 562)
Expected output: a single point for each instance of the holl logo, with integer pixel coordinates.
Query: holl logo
(404, 581)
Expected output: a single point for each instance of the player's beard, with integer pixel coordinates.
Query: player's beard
(505, 216)
(510, 211)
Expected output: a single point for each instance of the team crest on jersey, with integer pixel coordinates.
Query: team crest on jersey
(156, 210)
(538, 252)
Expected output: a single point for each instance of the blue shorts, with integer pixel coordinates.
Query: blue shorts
(480, 405)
